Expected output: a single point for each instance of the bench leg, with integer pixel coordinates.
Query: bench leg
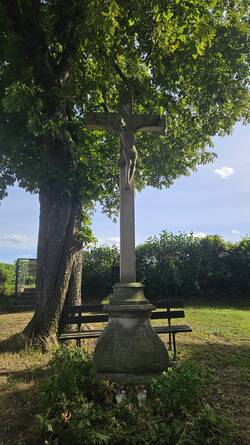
(170, 334)
(170, 341)
(174, 345)
(78, 341)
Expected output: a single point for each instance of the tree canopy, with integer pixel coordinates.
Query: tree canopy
(59, 60)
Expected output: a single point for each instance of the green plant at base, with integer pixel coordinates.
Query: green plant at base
(179, 389)
(207, 427)
(78, 408)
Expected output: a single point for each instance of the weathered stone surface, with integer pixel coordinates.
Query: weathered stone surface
(127, 230)
(129, 350)
(128, 293)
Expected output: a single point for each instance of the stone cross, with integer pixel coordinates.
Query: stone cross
(126, 124)
(129, 350)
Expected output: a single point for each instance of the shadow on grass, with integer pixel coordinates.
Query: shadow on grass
(19, 342)
(219, 303)
(219, 355)
(18, 423)
(14, 343)
(27, 375)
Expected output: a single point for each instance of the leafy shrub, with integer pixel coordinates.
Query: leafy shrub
(214, 271)
(78, 408)
(179, 390)
(167, 265)
(176, 265)
(240, 266)
(97, 273)
(7, 279)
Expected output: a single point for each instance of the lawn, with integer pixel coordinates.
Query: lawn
(220, 342)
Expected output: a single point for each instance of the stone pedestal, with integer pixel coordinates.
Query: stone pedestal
(129, 350)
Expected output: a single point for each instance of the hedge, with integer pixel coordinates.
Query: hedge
(7, 279)
(175, 265)
(169, 265)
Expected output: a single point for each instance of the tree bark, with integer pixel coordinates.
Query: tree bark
(58, 254)
(74, 294)
(73, 297)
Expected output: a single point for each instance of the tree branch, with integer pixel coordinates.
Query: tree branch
(116, 68)
(68, 31)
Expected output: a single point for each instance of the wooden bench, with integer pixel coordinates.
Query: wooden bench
(85, 316)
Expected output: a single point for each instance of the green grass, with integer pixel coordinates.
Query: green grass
(20, 370)
(220, 342)
(227, 323)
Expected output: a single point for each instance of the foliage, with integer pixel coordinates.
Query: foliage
(78, 408)
(188, 59)
(165, 263)
(7, 279)
(185, 265)
(177, 265)
(240, 265)
(98, 265)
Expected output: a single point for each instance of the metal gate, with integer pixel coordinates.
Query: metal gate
(25, 274)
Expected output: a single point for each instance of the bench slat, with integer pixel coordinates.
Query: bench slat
(167, 303)
(97, 332)
(85, 319)
(101, 318)
(172, 329)
(98, 308)
(159, 315)
(83, 334)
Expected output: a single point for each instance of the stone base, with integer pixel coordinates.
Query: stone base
(129, 350)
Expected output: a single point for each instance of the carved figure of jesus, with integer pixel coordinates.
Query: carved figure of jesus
(129, 155)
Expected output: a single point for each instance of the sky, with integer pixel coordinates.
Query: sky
(213, 200)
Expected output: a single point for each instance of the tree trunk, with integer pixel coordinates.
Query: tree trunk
(74, 294)
(73, 297)
(57, 254)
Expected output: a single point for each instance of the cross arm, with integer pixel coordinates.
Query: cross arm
(102, 121)
(134, 122)
(147, 123)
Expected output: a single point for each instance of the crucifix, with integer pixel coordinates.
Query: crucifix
(129, 350)
(126, 124)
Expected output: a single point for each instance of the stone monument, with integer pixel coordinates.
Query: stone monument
(129, 350)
